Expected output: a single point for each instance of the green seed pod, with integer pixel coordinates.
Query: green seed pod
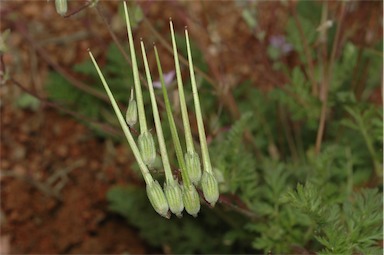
(131, 115)
(157, 198)
(192, 163)
(147, 148)
(174, 197)
(210, 188)
(61, 7)
(191, 200)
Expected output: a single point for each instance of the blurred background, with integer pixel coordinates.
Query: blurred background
(290, 91)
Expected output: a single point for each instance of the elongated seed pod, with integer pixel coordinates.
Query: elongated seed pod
(147, 148)
(174, 197)
(157, 198)
(192, 163)
(61, 7)
(210, 188)
(131, 115)
(191, 200)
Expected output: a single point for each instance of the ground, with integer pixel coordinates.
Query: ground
(53, 199)
(54, 171)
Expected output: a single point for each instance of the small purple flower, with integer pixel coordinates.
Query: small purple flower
(279, 42)
(168, 79)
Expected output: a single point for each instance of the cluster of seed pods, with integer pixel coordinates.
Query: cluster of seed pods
(176, 195)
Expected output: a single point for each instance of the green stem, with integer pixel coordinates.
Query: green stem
(136, 78)
(175, 137)
(156, 116)
(349, 166)
(144, 170)
(200, 124)
(183, 105)
(371, 150)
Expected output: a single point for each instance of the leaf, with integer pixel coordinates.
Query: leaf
(295, 38)
(188, 235)
(27, 101)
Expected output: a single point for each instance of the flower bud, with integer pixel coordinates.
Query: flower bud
(157, 198)
(210, 188)
(191, 200)
(131, 115)
(192, 162)
(61, 7)
(147, 147)
(174, 197)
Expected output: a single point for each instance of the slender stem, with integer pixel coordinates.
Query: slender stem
(144, 170)
(65, 39)
(369, 143)
(136, 78)
(200, 124)
(20, 27)
(169, 48)
(225, 97)
(287, 132)
(227, 201)
(320, 130)
(349, 166)
(99, 10)
(106, 128)
(324, 91)
(175, 136)
(183, 105)
(335, 43)
(307, 52)
(324, 70)
(87, 4)
(156, 116)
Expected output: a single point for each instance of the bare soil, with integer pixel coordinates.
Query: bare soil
(54, 172)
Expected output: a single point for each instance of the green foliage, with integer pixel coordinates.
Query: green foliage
(26, 101)
(291, 195)
(354, 226)
(60, 90)
(280, 227)
(287, 120)
(136, 14)
(234, 161)
(366, 123)
(183, 236)
(197, 55)
(120, 78)
(294, 37)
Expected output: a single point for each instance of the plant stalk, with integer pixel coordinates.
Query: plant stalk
(175, 137)
(328, 81)
(200, 124)
(183, 105)
(156, 116)
(144, 170)
(136, 77)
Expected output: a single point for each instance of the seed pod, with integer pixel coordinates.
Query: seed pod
(131, 115)
(147, 148)
(174, 196)
(157, 198)
(210, 188)
(192, 163)
(61, 7)
(191, 200)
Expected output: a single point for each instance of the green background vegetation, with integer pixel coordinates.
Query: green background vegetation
(279, 189)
